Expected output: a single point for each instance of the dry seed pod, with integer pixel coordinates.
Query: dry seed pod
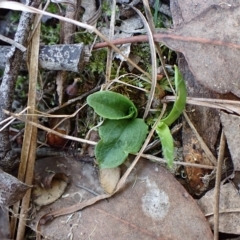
(109, 178)
(72, 90)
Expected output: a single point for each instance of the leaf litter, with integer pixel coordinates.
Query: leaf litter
(227, 82)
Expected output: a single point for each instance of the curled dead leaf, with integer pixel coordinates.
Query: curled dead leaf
(44, 196)
(50, 180)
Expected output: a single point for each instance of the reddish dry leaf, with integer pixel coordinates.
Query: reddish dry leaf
(152, 205)
(64, 128)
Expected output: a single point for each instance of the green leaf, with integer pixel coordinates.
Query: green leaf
(162, 129)
(180, 102)
(118, 139)
(112, 105)
(166, 138)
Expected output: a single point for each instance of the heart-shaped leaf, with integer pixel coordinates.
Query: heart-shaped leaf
(118, 139)
(112, 105)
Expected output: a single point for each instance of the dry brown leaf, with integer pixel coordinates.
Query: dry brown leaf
(109, 178)
(193, 153)
(229, 208)
(43, 196)
(152, 205)
(60, 126)
(48, 169)
(215, 66)
(186, 10)
(50, 180)
(11, 189)
(231, 125)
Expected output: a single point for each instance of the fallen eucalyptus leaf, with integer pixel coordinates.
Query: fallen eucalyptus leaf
(230, 122)
(229, 207)
(201, 46)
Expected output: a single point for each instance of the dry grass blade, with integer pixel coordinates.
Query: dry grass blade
(111, 34)
(217, 185)
(12, 42)
(48, 130)
(10, 119)
(158, 49)
(202, 143)
(153, 60)
(161, 160)
(229, 210)
(228, 105)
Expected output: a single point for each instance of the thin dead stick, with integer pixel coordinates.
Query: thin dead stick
(217, 185)
(74, 99)
(153, 62)
(11, 119)
(193, 99)
(157, 46)
(69, 116)
(12, 42)
(111, 34)
(117, 80)
(42, 114)
(28, 155)
(127, 84)
(230, 210)
(161, 160)
(50, 130)
(202, 143)
(228, 105)
(39, 18)
(160, 37)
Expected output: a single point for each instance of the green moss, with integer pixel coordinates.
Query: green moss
(50, 34)
(97, 63)
(84, 37)
(52, 8)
